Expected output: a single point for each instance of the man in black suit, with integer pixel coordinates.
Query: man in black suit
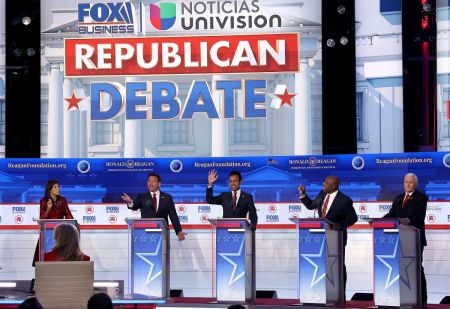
(155, 204)
(235, 204)
(410, 207)
(334, 206)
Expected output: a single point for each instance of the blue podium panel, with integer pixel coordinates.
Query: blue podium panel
(230, 259)
(149, 258)
(46, 229)
(235, 264)
(396, 264)
(320, 262)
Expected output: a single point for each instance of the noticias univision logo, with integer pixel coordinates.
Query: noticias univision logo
(163, 16)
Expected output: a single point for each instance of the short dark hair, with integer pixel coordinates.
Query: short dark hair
(30, 303)
(100, 301)
(237, 306)
(154, 175)
(235, 173)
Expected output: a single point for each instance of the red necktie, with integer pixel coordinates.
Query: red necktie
(325, 206)
(405, 200)
(155, 202)
(233, 201)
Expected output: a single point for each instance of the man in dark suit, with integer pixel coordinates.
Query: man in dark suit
(156, 204)
(410, 207)
(334, 206)
(235, 204)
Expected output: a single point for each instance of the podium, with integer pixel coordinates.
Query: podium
(46, 228)
(321, 262)
(235, 260)
(148, 258)
(396, 263)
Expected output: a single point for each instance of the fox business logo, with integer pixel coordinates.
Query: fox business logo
(183, 219)
(384, 208)
(106, 18)
(204, 209)
(272, 218)
(363, 217)
(18, 210)
(112, 209)
(295, 208)
(89, 219)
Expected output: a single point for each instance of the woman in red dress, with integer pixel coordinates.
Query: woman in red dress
(67, 245)
(52, 206)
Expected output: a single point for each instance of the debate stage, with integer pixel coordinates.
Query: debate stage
(201, 302)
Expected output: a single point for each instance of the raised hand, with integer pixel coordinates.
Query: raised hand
(49, 203)
(301, 190)
(126, 198)
(212, 177)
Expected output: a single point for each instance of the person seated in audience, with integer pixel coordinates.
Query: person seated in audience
(67, 245)
(237, 306)
(30, 303)
(100, 301)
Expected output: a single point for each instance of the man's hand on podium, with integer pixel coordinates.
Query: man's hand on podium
(404, 221)
(181, 236)
(337, 226)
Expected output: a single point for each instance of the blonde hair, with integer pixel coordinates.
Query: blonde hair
(67, 242)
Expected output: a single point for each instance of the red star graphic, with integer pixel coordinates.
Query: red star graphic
(286, 97)
(73, 101)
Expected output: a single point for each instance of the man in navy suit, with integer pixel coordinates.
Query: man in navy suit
(410, 207)
(236, 203)
(334, 206)
(156, 204)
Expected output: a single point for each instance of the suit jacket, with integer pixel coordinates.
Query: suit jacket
(59, 210)
(340, 211)
(166, 208)
(244, 205)
(415, 210)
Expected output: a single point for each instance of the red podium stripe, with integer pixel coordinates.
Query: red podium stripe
(309, 226)
(384, 225)
(146, 225)
(229, 225)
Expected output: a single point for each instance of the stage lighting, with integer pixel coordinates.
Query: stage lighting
(331, 43)
(26, 20)
(17, 52)
(426, 7)
(341, 9)
(31, 52)
(343, 40)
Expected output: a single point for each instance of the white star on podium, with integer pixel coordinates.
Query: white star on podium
(150, 278)
(382, 258)
(234, 277)
(307, 256)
